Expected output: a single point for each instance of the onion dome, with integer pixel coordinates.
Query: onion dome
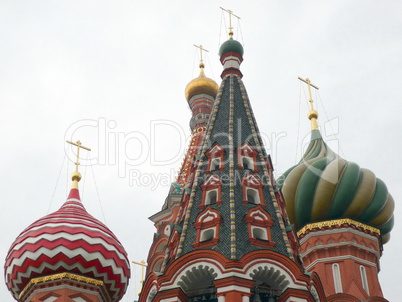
(323, 186)
(231, 45)
(200, 85)
(231, 56)
(68, 241)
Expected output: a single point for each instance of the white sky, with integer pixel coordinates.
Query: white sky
(109, 72)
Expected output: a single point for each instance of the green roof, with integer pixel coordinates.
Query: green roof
(231, 46)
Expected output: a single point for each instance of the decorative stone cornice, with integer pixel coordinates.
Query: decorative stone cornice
(336, 223)
(64, 276)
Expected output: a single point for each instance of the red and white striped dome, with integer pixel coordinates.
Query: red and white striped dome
(68, 240)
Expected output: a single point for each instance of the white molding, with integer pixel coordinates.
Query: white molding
(231, 62)
(317, 247)
(336, 231)
(294, 299)
(335, 259)
(233, 288)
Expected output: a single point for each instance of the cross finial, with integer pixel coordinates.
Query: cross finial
(76, 176)
(313, 114)
(79, 145)
(201, 50)
(230, 20)
(143, 265)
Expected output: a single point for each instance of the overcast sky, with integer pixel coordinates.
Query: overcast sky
(112, 74)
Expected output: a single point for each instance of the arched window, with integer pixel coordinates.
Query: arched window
(211, 191)
(259, 233)
(252, 190)
(247, 157)
(259, 225)
(364, 279)
(211, 197)
(207, 234)
(337, 278)
(253, 195)
(248, 163)
(215, 157)
(215, 164)
(207, 225)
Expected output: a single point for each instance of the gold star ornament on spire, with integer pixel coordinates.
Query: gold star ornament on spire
(312, 114)
(76, 176)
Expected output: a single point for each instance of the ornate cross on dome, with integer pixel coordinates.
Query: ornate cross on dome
(201, 50)
(313, 114)
(230, 20)
(307, 81)
(79, 145)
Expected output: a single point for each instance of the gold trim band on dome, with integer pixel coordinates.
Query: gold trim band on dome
(337, 222)
(61, 276)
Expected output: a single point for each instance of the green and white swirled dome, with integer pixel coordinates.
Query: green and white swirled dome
(323, 186)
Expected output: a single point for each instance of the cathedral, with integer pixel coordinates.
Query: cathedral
(227, 231)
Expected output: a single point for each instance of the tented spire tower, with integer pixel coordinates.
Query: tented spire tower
(231, 239)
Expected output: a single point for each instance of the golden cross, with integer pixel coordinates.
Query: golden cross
(230, 20)
(79, 145)
(143, 265)
(312, 115)
(307, 81)
(201, 49)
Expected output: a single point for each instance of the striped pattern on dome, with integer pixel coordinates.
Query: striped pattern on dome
(323, 186)
(68, 240)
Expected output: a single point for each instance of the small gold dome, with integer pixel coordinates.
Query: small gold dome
(202, 84)
(76, 176)
(312, 114)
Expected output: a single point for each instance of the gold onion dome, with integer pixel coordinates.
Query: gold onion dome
(200, 85)
(323, 186)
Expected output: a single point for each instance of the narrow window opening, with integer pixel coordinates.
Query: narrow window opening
(364, 279)
(208, 234)
(260, 233)
(247, 163)
(215, 164)
(337, 278)
(253, 196)
(212, 197)
(250, 198)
